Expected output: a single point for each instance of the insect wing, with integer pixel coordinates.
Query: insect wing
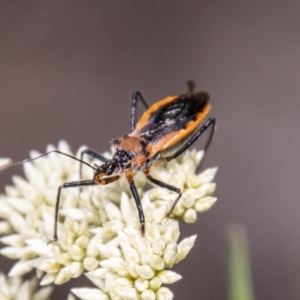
(171, 120)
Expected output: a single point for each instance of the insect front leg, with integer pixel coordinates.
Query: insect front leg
(137, 202)
(166, 186)
(192, 140)
(135, 97)
(63, 186)
(93, 154)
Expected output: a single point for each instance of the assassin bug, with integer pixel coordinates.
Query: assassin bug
(173, 123)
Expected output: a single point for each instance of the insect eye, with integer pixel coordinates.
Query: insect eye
(111, 167)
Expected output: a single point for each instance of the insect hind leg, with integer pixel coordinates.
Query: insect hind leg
(192, 140)
(136, 95)
(207, 144)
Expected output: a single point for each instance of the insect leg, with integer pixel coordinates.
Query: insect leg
(207, 144)
(135, 97)
(167, 186)
(211, 135)
(63, 186)
(92, 154)
(138, 203)
(208, 123)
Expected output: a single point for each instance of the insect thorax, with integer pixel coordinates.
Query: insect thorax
(123, 157)
(131, 152)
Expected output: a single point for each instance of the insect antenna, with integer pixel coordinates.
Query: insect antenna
(42, 155)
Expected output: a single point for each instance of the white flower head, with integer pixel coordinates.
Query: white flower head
(137, 269)
(98, 227)
(14, 288)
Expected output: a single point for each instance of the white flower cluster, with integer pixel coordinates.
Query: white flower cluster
(14, 288)
(98, 227)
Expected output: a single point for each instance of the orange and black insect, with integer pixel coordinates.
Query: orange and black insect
(173, 123)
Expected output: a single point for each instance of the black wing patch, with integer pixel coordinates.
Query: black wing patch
(173, 116)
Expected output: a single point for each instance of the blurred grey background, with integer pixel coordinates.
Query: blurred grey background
(67, 69)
